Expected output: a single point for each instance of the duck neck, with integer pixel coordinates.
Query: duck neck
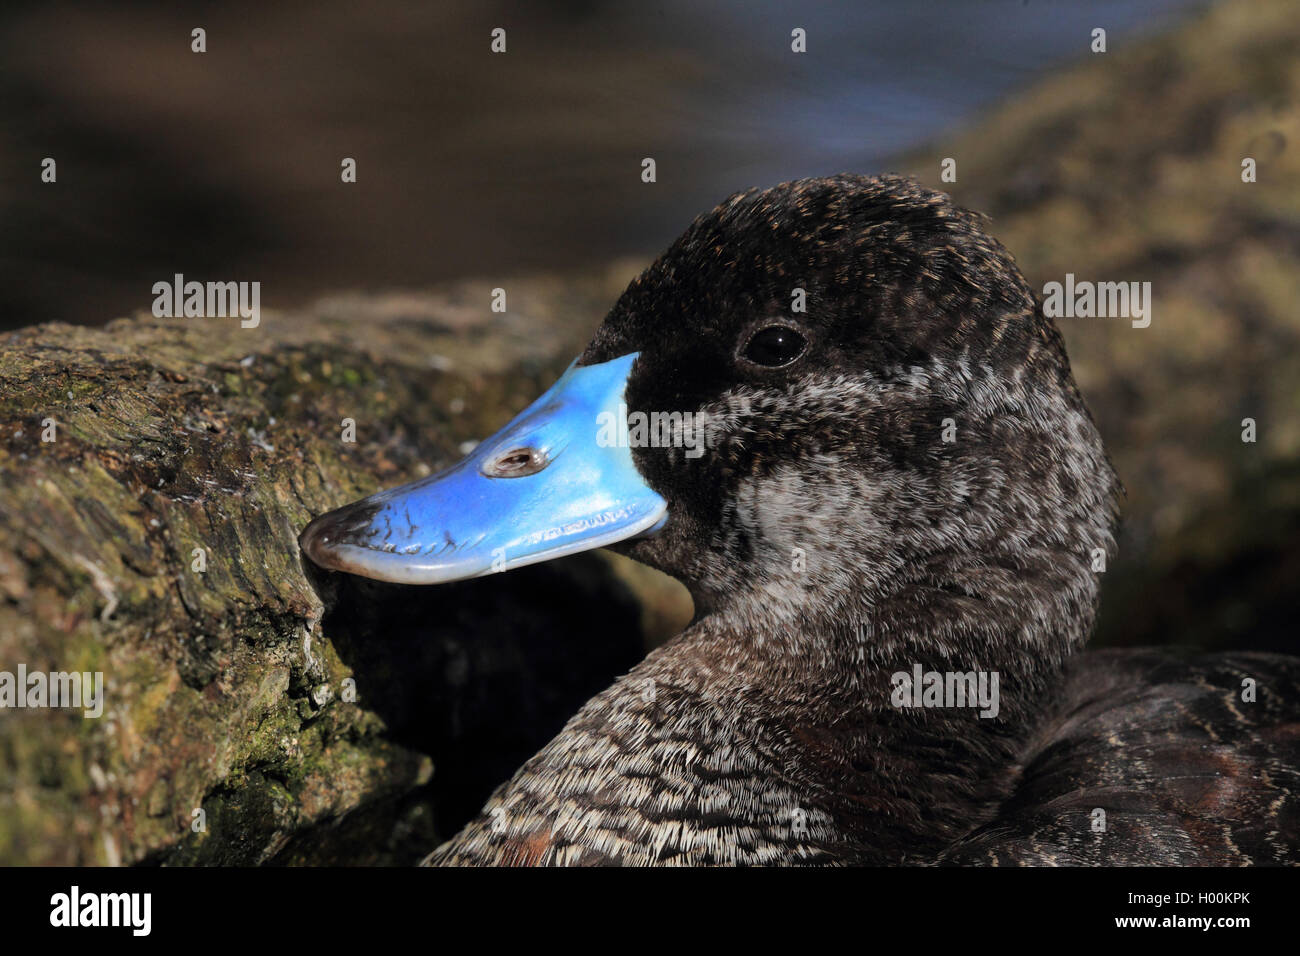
(901, 712)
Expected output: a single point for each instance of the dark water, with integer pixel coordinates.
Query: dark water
(225, 165)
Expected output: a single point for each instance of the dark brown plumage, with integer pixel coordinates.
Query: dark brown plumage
(1185, 770)
(922, 485)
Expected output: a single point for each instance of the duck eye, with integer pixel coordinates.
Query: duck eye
(774, 346)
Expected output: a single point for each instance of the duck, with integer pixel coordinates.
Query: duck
(835, 410)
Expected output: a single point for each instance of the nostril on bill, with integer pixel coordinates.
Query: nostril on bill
(516, 463)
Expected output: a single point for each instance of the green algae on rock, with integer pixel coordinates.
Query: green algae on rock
(154, 541)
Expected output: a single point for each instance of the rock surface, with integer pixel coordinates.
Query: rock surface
(154, 540)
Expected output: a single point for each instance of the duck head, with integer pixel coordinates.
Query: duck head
(823, 395)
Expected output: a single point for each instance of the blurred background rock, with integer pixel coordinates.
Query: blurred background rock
(523, 171)
(226, 164)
